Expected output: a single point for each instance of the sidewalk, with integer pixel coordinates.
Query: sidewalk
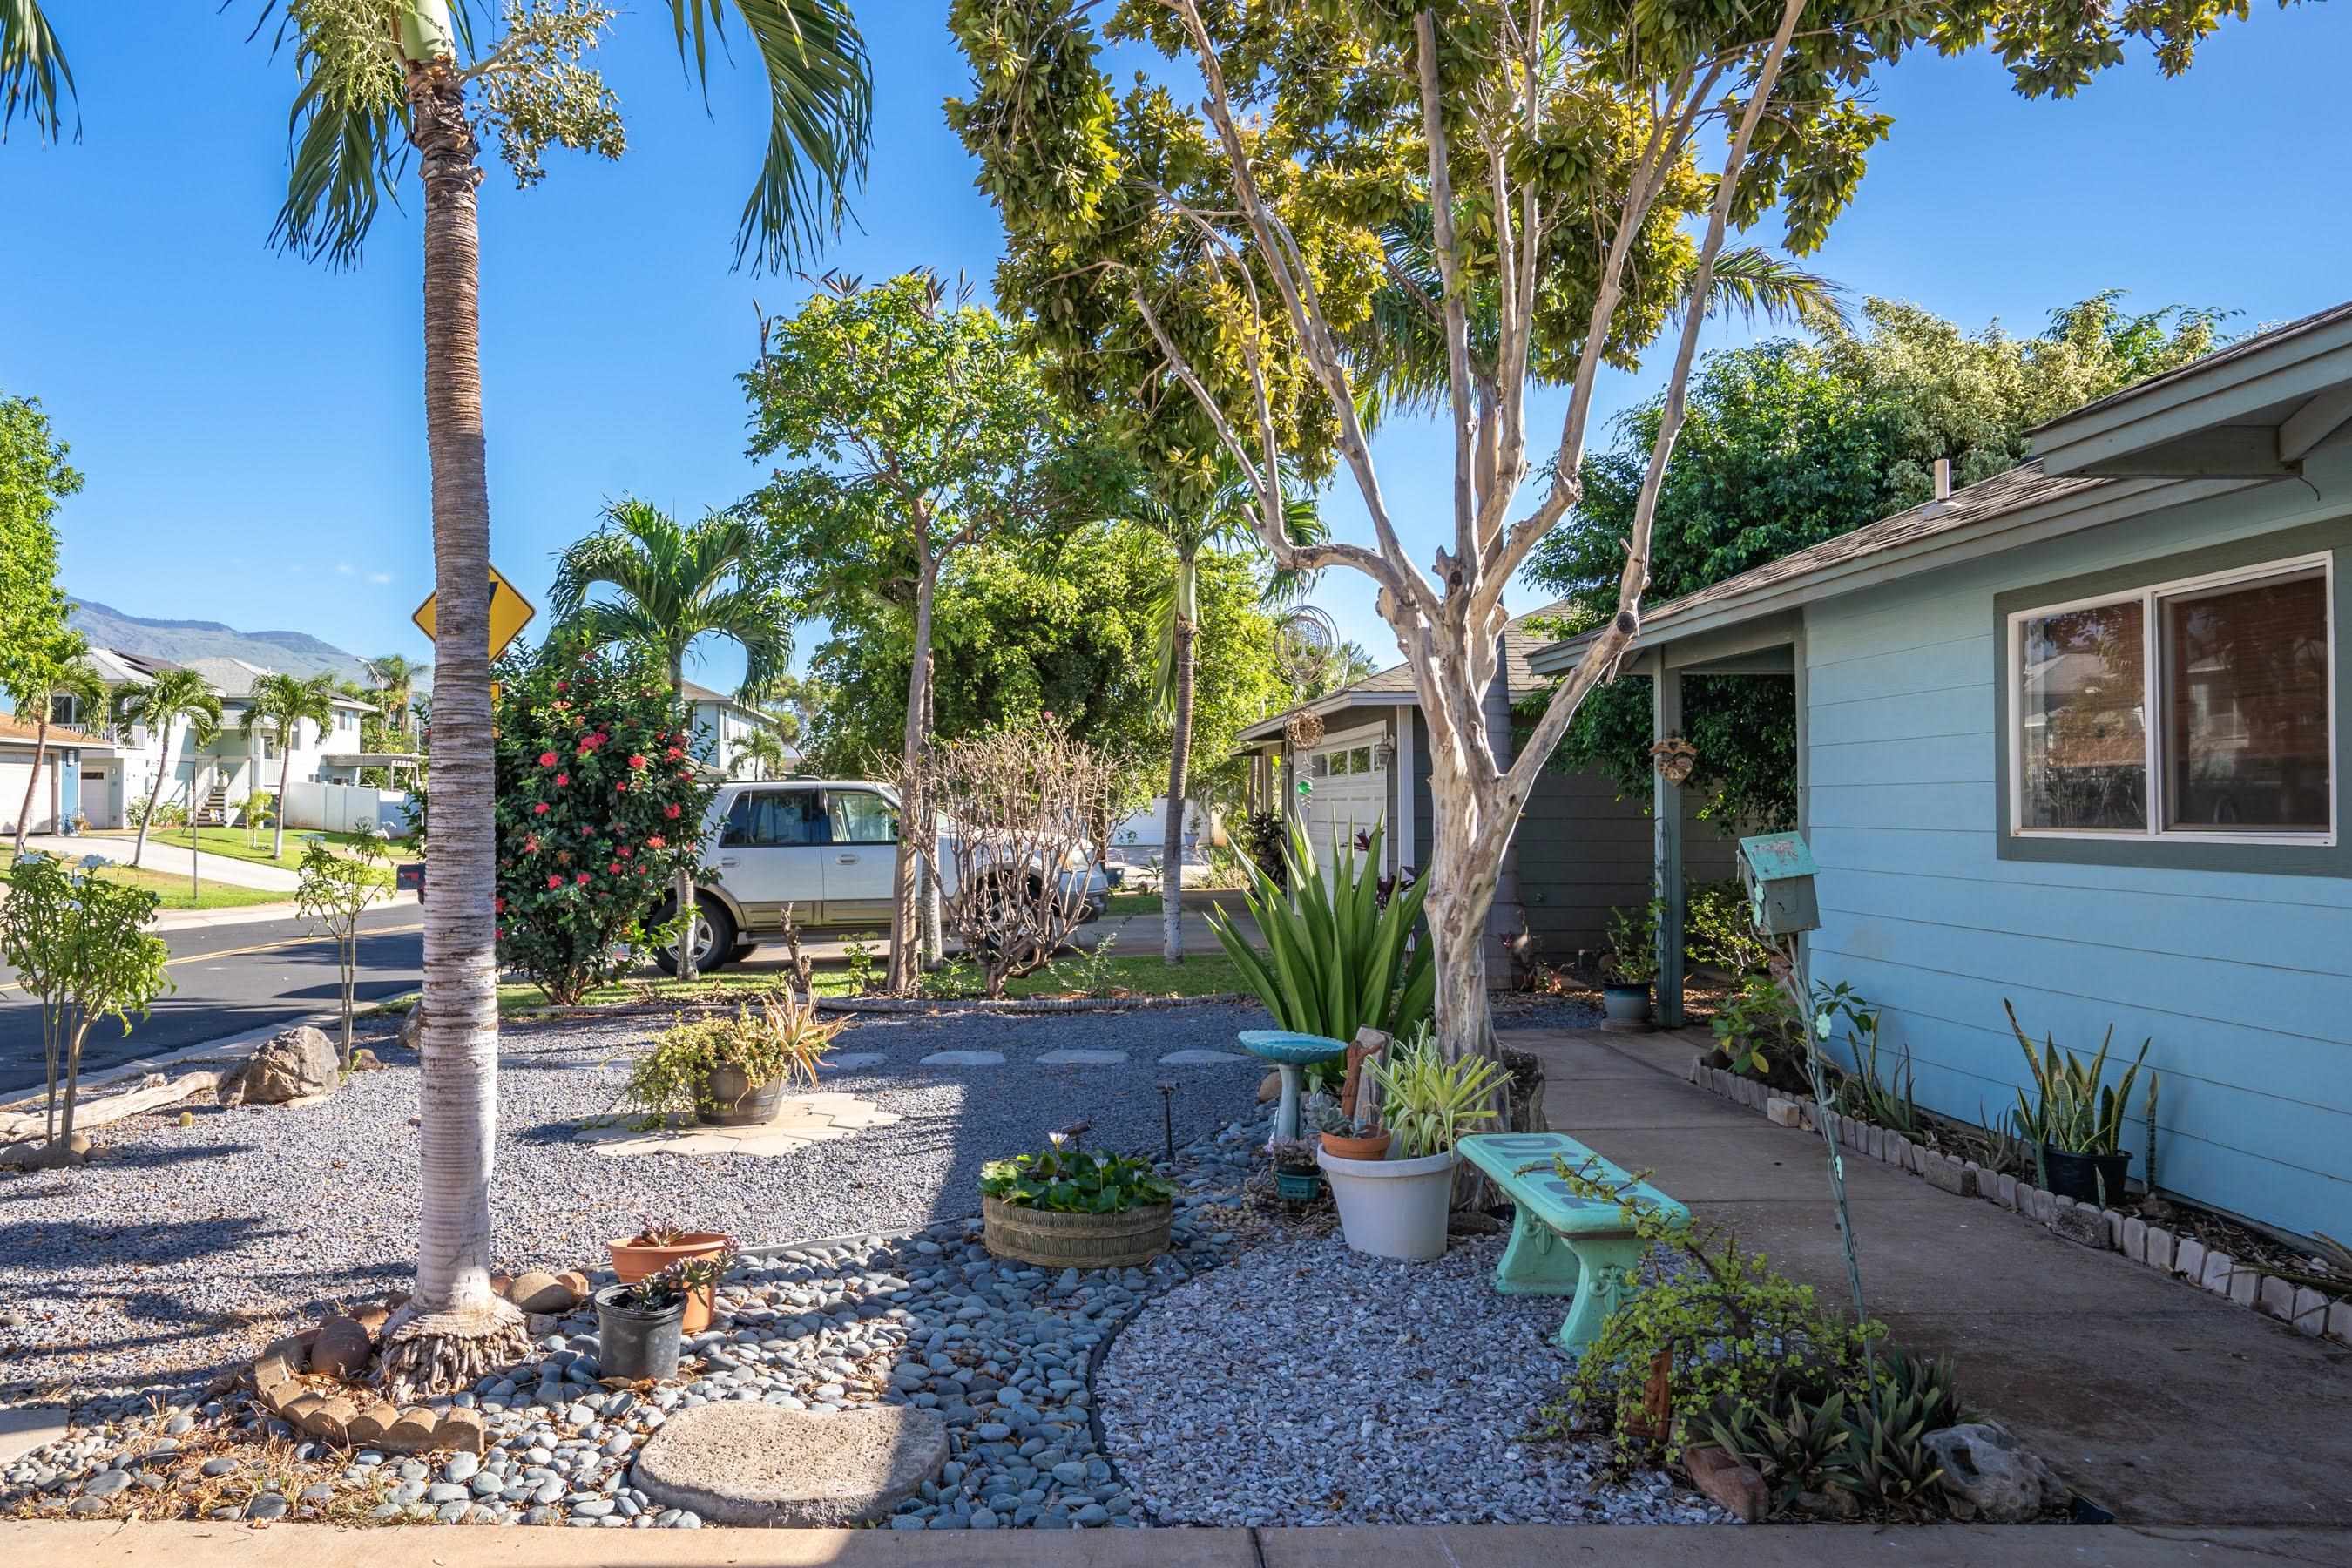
(169, 859)
(1487, 1546)
(2157, 1401)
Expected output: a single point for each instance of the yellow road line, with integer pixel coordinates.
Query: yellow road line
(257, 947)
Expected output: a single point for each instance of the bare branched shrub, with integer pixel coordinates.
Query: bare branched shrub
(1017, 811)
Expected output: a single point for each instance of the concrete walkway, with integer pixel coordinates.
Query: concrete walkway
(1487, 1546)
(2157, 1401)
(170, 859)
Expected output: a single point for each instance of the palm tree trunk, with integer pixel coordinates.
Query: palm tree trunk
(688, 914)
(33, 785)
(155, 793)
(1179, 760)
(455, 1327)
(912, 813)
(285, 773)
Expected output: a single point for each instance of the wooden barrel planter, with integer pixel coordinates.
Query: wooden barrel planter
(729, 1099)
(1051, 1240)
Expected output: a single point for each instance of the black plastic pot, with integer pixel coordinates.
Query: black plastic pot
(633, 1342)
(2082, 1177)
(729, 1100)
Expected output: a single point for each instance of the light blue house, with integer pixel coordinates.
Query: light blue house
(2074, 737)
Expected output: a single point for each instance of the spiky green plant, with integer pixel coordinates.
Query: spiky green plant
(1884, 1461)
(2072, 1110)
(1430, 1102)
(1336, 959)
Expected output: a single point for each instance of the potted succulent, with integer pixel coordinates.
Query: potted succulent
(661, 1244)
(1630, 964)
(1357, 1137)
(1068, 1208)
(730, 1072)
(640, 1323)
(2074, 1122)
(1296, 1177)
(1396, 1207)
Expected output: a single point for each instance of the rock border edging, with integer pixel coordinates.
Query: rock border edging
(2182, 1258)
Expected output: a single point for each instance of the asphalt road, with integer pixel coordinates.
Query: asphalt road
(230, 979)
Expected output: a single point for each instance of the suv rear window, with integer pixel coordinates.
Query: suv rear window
(772, 819)
(861, 816)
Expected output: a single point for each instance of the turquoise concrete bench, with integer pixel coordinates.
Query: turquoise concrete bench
(1561, 1242)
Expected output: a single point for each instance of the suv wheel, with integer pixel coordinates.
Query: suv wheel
(714, 938)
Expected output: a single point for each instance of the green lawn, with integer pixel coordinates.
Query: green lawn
(1201, 974)
(175, 889)
(233, 843)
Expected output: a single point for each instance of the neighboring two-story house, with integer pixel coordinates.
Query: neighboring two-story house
(721, 725)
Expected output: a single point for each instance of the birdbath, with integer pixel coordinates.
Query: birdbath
(1292, 1053)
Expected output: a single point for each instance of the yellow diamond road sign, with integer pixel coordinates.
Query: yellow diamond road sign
(510, 613)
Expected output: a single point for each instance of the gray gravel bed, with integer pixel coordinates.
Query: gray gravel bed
(1304, 1384)
(181, 1249)
(1545, 1013)
(1000, 1350)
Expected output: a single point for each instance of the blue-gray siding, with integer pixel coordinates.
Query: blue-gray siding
(2242, 981)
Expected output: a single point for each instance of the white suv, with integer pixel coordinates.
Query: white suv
(825, 848)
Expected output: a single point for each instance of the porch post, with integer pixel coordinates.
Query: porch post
(1666, 823)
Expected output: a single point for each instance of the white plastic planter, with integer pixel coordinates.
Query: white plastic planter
(1393, 1208)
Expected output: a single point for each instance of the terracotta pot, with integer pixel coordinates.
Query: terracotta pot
(631, 1263)
(1375, 1147)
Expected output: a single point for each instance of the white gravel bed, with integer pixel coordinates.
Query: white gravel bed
(181, 1249)
(1304, 1384)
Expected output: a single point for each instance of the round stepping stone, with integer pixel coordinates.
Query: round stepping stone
(1199, 1058)
(742, 1462)
(1083, 1058)
(852, 1060)
(964, 1059)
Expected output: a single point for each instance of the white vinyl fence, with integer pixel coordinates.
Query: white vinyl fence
(346, 808)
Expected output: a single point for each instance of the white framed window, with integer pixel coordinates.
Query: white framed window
(2197, 710)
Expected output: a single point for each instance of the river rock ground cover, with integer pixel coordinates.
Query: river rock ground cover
(183, 1249)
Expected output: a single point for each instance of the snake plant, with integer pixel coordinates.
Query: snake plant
(2070, 1109)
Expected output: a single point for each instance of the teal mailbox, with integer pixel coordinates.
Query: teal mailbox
(1778, 870)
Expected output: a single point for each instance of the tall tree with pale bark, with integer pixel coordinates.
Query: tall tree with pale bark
(381, 81)
(1582, 166)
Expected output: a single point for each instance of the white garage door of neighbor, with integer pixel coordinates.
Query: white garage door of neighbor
(1350, 793)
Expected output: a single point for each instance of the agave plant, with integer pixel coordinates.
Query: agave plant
(1337, 959)
(1884, 1461)
(1793, 1443)
(2070, 1109)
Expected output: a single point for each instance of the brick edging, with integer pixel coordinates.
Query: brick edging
(2183, 1259)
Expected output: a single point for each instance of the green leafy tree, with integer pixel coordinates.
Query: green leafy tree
(174, 698)
(667, 588)
(278, 706)
(335, 890)
(395, 688)
(763, 754)
(1200, 273)
(1788, 443)
(920, 430)
(1220, 521)
(34, 477)
(379, 79)
(82, 950)
(49, 670)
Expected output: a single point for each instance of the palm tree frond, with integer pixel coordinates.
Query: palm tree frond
(343, 162)
(821, 103)
(35, 80)
(1753, 281)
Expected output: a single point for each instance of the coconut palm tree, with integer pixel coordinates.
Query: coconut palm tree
(762, 751)
(379, 79)
(172, 697)
(395, 684)
(1222, 519)
(61, 672)
(278, 704)
(671, 586)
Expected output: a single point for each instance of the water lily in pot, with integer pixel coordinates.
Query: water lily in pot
(1396, 1206)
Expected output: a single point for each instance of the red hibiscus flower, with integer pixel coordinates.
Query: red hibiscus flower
(636, 760)
(621, 788)
(563, 685)
(580, 880)
(547, 759)
(499, 905)
(655, 842)
(562, 779)
(539, 810)
(671, 812)
(675, 754)
(554, 882)
(615, 867)
(530, 844)
(623, 851)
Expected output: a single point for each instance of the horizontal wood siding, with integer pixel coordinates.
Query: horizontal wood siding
(1583, 852)
(2241, 983)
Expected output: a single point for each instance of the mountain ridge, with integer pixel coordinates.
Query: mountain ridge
(291, 652)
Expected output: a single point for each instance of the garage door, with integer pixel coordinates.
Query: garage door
(1350, 793)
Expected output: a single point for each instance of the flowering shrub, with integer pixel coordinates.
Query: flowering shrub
(599, 807)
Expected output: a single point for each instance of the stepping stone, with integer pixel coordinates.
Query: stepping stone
(964, 1059)
(1083, 1058)
(742, 1462)
(1199, 1058)
(851, 1060)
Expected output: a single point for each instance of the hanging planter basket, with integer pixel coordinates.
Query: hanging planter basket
(1304, 728)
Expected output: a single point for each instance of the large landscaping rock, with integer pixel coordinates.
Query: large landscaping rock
(742, 1463)
(541, 1291)
(344, 1349)
(295, 1068)
(1986, 1471)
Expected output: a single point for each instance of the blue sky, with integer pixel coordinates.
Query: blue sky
(250, 425)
